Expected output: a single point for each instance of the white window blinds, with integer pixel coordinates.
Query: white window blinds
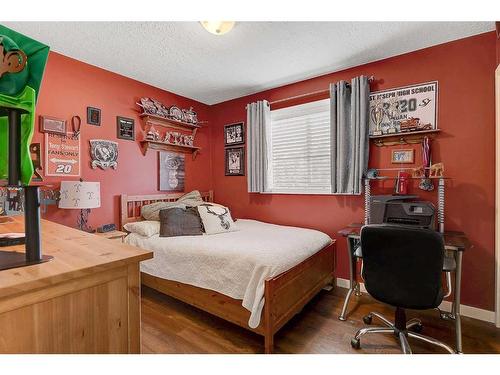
(299, 149)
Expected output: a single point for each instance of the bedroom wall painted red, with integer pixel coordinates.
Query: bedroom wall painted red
(68, 87)
(465, 71)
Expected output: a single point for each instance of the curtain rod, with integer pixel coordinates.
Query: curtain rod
(370, 79)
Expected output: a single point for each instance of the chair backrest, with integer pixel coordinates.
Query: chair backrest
(403, 266)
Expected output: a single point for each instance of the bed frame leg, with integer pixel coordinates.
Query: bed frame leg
(269, 343)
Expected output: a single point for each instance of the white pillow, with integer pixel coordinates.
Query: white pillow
(216, 218)
(146, 228)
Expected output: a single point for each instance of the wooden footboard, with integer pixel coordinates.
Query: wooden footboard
(285, 295)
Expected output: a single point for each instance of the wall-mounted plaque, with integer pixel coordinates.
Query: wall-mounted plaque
(404, 109)
(52, 125)
(104, 154)
(125, 128)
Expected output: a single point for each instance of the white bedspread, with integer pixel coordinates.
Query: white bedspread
(236, 263)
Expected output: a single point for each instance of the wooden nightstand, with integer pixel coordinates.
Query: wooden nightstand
(113, 235)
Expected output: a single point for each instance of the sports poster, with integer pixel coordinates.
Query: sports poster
(62, 155)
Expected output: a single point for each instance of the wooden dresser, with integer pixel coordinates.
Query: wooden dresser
(86, 300)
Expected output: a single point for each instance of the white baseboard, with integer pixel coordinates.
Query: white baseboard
(470, 311)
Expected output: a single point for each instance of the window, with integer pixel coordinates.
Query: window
(299, 149)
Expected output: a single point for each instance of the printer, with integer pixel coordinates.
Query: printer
(402, 210)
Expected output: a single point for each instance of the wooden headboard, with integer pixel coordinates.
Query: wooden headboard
(130, 205)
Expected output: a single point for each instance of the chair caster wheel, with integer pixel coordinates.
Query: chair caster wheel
(417, 328)
(355, 343)
(367, 319)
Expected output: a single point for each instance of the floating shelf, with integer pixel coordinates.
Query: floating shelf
(165, 146)
(414, 137)
(168, 123)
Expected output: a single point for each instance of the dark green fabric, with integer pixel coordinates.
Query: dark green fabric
(20, 90)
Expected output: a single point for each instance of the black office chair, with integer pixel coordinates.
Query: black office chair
(402, 267)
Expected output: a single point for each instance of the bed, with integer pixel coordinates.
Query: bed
(287, 285)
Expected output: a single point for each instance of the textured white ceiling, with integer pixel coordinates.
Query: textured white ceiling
(183, 58)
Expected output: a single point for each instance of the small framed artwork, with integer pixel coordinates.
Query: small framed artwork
(52, 125)
(93, 116)
(171, 169)
(235, 161)
(403, 156)
(234, 134)
(125, 128)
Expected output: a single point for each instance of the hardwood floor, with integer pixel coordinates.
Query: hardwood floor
(171, 326)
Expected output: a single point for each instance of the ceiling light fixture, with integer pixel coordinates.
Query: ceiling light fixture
(218, 27)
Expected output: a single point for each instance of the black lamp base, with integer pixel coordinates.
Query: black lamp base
(13, 259)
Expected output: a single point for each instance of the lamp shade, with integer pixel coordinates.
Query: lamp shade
(80, 195)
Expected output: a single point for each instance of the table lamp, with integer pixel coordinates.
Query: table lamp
(80, 195)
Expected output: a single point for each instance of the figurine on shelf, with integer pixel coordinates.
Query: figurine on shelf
(190, 116)
(418, 172)
(148, 106)
(436, 170)
(189, 140)
(151, 134)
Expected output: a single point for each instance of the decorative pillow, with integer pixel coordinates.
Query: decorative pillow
(152, 211)
(216, 218)
(143, 228)
(180, 222)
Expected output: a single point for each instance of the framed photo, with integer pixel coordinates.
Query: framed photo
(52, 125)
(93, 116)
(235, 161)
(125, 128)
(403, 156)
(171, 168)
(234, 134)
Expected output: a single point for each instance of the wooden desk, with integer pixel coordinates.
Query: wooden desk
(86, 300)
(455, 242)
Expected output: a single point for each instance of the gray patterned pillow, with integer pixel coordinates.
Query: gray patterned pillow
(180, 222)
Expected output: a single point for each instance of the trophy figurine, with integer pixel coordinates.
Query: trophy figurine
(392, 113)
(377, 113)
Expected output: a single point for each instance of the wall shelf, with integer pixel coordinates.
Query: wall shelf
(168, 123)
(402, 138)
(164, 146)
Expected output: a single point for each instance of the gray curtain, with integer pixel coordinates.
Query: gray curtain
(349, 104)
(258, 118)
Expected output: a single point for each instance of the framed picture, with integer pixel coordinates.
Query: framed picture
(403, 156)
(93, 116)
(62, 155)
(52, 125)
(235, 161)
(171, 168)
(234, 134)
(404, 109)
(125, 128)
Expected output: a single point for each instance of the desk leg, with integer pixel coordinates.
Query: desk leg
(456, 302)
(353, 287)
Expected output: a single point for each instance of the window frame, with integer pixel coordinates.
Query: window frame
(317, 106)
